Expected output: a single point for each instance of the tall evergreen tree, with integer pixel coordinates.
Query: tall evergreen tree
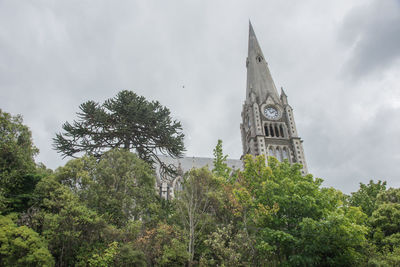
(220, 169)
(126, 121)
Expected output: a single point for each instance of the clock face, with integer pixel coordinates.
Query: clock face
(271, 113)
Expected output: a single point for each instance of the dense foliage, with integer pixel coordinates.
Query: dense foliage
(104, 211)
(18, 175)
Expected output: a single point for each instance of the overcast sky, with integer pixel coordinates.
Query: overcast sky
(339, 62)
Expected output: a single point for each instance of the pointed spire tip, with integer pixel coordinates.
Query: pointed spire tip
(251, 30)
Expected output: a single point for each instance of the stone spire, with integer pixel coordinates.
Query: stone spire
(259, 79)
(268, 127)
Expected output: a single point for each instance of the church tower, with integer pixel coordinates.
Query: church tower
(268, 127)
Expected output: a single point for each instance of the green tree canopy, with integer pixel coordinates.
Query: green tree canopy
(294, 221)
(336, 240)
(126, 121)
(120, 186)
(221, 169)
(17, 166)
(72, 230)
(385, 220)
(21, 246)
(365, 197)
(385, 228)
(164, 245)
(91, 212)
(195, 204)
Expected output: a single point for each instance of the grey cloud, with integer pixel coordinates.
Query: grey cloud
(372, 30)
(369, 150)
(56, 55)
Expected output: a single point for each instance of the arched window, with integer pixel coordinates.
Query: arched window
(271, 130)
(281, 130)
(278, 154)
(284, 153)
(266, 130)
(276, 131)
(271, 152)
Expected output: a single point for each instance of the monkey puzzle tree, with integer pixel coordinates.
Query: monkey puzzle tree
(126, 121)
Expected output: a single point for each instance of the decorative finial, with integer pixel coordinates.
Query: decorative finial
(282, 91)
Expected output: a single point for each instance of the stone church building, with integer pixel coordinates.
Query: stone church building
(268, 126)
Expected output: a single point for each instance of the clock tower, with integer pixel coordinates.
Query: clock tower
(268, 127)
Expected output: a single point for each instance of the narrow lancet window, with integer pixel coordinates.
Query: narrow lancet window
(281, 130)
(278, 154)
(271, 152)
(276, 131)
(272, 131)
(266, 130)
(284, 153)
